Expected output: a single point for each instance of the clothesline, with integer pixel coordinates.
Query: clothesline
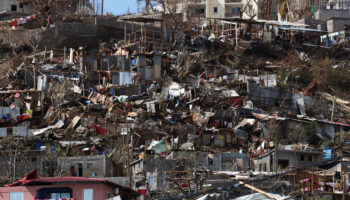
(17, 21)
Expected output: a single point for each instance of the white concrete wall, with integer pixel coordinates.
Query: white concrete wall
(294, 159)
(5, 5)
(324, 15)
(253, 11)
(227, 7)
(336, 4)
(220, 4)
(223, 8)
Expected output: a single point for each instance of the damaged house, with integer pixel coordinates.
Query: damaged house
(87, 166)
(283, 159)
(114, 108)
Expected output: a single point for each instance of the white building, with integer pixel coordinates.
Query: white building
(339, 4)
(223, 8)
(15, 6)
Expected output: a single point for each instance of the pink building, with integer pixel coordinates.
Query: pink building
(61, 188)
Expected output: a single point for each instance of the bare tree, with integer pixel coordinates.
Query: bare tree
(248, 10)
(50, 10)
(294, 10)
(17, 41)
(177, 12)
(185, 64)
(265, 9)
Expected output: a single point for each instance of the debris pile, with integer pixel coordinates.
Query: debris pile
(176, 121)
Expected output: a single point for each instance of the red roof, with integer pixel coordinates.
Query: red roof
(67, 180)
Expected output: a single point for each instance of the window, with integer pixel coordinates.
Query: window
(272, 164)
(235, 11)
(310, 158)
(33, 159)
(124, 131)
(302, 157)
(200, 11)
(215, 9)
(16, 196)
(210, 159)
(54, 193)
(60, 195)
(88, 194)
(80, 170)
(21, 5)
(283, 164)
(13, 8)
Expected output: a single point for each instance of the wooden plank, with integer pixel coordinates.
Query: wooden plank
(19, 91)
(258, 190)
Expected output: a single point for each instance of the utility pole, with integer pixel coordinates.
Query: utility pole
(312, 180)
(147, 6)
(132, 151)
(276, 138)
(276, 153)
(102, 7)
(93, 7)
(344, 186)
(333, 107)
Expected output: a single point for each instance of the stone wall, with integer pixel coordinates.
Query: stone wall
(87, 166)
(326, 14)
(337, 24)
(6, 5)
(21, 165)
(89, 33)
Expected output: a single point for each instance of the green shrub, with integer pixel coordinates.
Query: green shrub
(310, 133)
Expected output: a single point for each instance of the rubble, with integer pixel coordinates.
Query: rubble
(215, 116)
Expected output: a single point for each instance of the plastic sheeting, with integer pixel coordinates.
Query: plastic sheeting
(3, 132)
(12, 113)
(59, 124)
(269, 80)
(258, 196)
(175, 89)
(125, 78)
(159, 146)
(214, 196)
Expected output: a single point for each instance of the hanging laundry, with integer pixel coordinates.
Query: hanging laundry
(98, 129)
(14, 23)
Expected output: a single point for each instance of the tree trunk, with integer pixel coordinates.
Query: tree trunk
(102, 7)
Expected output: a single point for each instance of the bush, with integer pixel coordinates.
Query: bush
(310, 134)
(336, 78)
(304, 77)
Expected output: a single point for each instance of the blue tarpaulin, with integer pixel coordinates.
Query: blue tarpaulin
(328, 152)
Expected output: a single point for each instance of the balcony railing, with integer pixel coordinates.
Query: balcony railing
(231, 15)
(233, 1)
(198, 15)
(199, 1)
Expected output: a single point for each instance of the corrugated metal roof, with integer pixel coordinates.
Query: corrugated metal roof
(301, 29)
(67, 180)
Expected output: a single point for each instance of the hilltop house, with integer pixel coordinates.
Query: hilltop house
(77, 188)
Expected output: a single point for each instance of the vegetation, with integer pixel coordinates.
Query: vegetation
(310, 134)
